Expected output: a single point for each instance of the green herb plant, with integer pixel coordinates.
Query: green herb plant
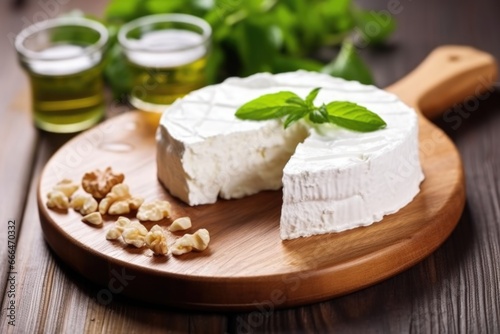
(290, 107)
(251, 36)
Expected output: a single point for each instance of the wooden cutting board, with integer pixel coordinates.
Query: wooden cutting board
(247, 266)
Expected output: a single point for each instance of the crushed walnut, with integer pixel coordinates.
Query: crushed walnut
(154, 211)
(57, 200)
(59, 196)
(99, 183)
(119, 201)
(67, 187)
(197, 241)
(116, 231)
(156, 241)
(93, 218)
(85, 204)
(134, 234)
(107, 194)
(180, 224)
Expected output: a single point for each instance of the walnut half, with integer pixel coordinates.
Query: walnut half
(156, 241)
(99, 183)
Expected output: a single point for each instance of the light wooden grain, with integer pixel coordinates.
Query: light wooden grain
(247, 264)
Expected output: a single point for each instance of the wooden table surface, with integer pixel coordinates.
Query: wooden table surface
(456, 289)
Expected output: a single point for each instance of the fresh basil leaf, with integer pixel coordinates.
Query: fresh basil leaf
(268, 106)
(319, 115)
(375, 27)
(311, 96)
(295, 116)
(297, 101)
(349, 65)
(354, 117)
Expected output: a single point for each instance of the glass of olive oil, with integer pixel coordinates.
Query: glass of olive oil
(63, 58)
(167, 55)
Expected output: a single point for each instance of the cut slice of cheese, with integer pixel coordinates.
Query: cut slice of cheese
(333, 181)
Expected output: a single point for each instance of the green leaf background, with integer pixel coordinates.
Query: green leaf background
(251, 36)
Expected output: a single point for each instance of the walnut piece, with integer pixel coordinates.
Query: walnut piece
(104, 205)
(197, 241)
(85, 204)
(116, 231)
(180, 224)
(154, 211)
(134, 234)
(201, 238)
(67, 187)
(56, 199)
(182, 245)
(99, 183)
(156, 241)
(119, 208)
(119, 201)
(122, 223)
(93, 218)
(113, 234)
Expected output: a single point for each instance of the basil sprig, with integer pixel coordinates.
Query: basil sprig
(292, 108)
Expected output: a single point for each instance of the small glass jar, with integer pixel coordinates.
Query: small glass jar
(64, 58)
(167, 56)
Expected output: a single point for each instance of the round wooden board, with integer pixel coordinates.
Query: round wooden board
(247, 265)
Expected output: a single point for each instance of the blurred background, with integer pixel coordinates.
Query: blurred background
(390, 36)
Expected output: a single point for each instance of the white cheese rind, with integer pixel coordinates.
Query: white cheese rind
(204, 151)
(333, 182)
(371, 185)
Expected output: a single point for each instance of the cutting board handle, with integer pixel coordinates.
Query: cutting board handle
(449, 75)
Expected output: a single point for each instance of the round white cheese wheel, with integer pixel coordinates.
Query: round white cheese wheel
(331, 181)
